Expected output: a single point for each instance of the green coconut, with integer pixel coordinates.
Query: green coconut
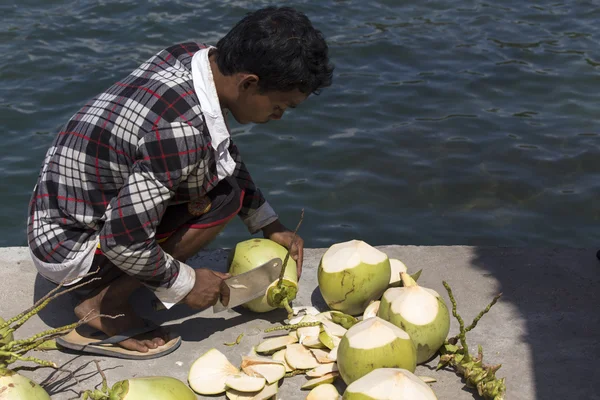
(374, 343)
(253, 253)
(389, 384)
(14, 386)
(422, 313)
(4, 337)
(384, 305)
(351, 275)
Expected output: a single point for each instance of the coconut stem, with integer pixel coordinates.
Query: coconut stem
(478, 317)
(463, 333)
(287, 256)
(292, 327)
(407, 280)
(294, 373)
(237, 341)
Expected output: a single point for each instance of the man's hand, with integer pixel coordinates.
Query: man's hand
(210, 286)
(280, 234)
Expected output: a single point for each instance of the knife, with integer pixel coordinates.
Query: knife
(245, 287)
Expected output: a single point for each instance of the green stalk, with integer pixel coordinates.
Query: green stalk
(292, 327)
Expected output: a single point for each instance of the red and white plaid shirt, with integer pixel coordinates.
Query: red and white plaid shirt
(120, 161)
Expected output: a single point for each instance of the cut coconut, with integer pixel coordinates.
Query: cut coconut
(389, 384)
(14, 386)
(294, 334)
(253, 253)
(299, 357)
(313, 342)
(308, 310)
(312, 383)
(333, 354)
(322, 356)
(325, 391)
(330, 341)
(352, 274)
(280, 356)
(374, 343)
(322, 370)
(209, 373)
(371, 310)
(264, 367)
(397, 267)
(339, 318)
(423, 314)
(245, 383)
(267, 393)
(296, 320)
(276, 343)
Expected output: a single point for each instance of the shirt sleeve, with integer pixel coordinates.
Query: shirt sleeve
(256, 213)
(164, 158)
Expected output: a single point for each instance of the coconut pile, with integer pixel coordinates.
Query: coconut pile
(380, 325)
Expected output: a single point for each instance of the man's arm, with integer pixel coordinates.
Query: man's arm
(164, 158)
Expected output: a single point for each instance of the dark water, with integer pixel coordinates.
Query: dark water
(465, 122)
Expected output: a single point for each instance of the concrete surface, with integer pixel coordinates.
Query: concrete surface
(545, 330)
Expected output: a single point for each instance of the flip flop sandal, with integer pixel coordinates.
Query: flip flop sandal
(88, 340)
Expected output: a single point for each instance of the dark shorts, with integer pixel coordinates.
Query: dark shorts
(218, 207)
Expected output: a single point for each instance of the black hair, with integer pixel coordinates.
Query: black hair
(281, 47)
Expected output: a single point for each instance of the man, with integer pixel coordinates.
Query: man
(146, 174)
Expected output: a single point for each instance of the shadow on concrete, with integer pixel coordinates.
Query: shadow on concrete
(558, 295)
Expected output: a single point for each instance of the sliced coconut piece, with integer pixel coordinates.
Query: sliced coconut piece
(313, 342)
(276, 343)
(209, 373)
(264, 367)
(294, 334)
(245, 383)
(329, 378)
(322, 356)
(333, 354)
(374, 343)
(280, 356)
(325, 391)
(309, 330)
(397, 267)
(308, 310)
(389, 384)
(427, 379)
(299, 357)
(322, 370)
(371, 310)
(332, 327)
(330, 341)
(296, 320)
(265, 394)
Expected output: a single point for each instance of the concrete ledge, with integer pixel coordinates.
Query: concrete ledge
(544, 330)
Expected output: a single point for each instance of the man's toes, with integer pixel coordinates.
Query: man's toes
(135, 345)
(149, 343)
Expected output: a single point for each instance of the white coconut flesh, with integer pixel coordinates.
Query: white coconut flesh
(322, 356)
(331, 327)
(280, 356)
(371, 310)
(268, 392)
(322, 370)
(333, 354)
(313, 342)
(397, 268)
(245, 383)
(416, 304)
(389, 384)
(263, 367)
(299, 357)
(348, 255)
(386, 300)
(312, 383)
(325, 391)
(308, 331)
(374, 333)
(276, 343)
(209, 373)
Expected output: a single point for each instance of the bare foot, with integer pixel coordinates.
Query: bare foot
(114, 300)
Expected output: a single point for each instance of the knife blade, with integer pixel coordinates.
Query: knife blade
(250, 285)
(244, 287)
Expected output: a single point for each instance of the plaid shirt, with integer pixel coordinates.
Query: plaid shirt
(121, 160)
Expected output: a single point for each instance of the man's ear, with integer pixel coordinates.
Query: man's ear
(248, 82)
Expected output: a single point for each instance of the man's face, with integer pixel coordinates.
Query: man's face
(252, 106)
